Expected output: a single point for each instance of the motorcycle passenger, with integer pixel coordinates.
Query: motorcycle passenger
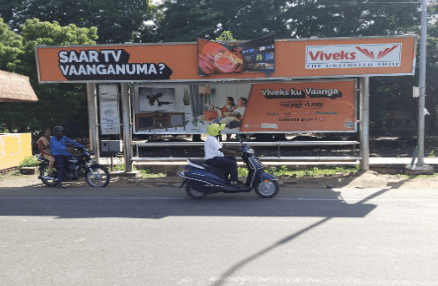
(215, 152)
(44, 148)
(58, 147)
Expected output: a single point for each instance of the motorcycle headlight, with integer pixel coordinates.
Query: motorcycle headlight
(250, 151)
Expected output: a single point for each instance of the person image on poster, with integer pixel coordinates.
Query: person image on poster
(234, 119)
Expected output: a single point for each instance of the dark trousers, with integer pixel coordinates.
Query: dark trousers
(227, 162)
(61, 168)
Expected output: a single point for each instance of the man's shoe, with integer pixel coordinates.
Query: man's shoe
(236, 184)
(60, 186)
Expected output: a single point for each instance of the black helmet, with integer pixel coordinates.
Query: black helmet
(59, 132)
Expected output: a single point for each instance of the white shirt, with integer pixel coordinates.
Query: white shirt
(211, 148)
(241, 110)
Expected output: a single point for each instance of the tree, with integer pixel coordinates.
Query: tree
(58, 103)
(186, 20)
(11, 46)
(117, 21)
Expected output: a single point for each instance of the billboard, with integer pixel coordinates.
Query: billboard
(283, 107)
(251, 60)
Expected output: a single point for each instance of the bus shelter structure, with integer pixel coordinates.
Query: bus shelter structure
(282, 86)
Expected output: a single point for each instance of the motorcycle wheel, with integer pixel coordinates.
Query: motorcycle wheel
(44, 171)
(100, 178)
(193, 192)
(267, 190)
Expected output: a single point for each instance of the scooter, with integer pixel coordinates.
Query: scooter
(201, 179)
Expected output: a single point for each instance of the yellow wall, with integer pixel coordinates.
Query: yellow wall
(14, 147)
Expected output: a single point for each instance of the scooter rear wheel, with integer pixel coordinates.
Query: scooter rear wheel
(267, 190)
(192, 191)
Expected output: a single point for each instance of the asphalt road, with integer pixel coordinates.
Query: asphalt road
(86, 236)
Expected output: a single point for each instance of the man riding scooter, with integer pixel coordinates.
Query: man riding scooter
(218, 155)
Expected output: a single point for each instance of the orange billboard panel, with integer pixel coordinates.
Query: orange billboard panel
(314, 106)
(177, 62)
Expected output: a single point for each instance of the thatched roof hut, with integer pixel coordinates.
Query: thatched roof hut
(15, 88)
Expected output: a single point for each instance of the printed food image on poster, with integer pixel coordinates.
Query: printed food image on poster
(253, 56)
(216, 58)
(301, 107)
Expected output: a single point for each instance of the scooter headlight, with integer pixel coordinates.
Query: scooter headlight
(181, 171)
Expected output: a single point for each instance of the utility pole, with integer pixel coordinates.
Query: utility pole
(420, 167)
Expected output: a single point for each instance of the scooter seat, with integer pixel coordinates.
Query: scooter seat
(212, 168)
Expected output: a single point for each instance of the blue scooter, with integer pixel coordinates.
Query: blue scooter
(201, 179)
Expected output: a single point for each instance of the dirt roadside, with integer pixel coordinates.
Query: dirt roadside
(358, 180)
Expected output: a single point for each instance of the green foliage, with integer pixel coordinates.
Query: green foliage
(58, 103)
(283, 171)
(29, 161)
(187, 20)
(144, 173)
(117, 21)
(149, 173)
(432, 154)
(226, 36)
(242, 172)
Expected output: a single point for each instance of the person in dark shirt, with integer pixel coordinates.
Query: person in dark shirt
(58, 146)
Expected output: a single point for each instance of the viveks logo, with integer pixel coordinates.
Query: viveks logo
(353, 56)
(381, 54)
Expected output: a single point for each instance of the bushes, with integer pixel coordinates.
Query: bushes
(29, 161)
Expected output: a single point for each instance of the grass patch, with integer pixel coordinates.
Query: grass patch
(284, 172)
(149, 173)
(144, 173)
(417, 176)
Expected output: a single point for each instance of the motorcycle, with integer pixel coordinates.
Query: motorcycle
(76, 166)
(201, 179)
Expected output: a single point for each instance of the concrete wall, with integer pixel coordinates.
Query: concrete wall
(14, 147)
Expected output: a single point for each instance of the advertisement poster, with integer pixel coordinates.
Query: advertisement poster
(253, 56)
(109, 109)
(204, 60)
(326, 106)
(308, 106)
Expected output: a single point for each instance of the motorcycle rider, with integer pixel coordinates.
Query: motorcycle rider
(58, 147)
(215, 152)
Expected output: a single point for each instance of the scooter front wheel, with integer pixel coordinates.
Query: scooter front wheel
(191, 190)
(267, 189)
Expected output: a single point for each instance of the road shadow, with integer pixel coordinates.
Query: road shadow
(236, 267)
(109, 203)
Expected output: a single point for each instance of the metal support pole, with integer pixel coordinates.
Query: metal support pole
(127, 133)
(422, 99)
(421, 168)
(364, 84)
(92, 119)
